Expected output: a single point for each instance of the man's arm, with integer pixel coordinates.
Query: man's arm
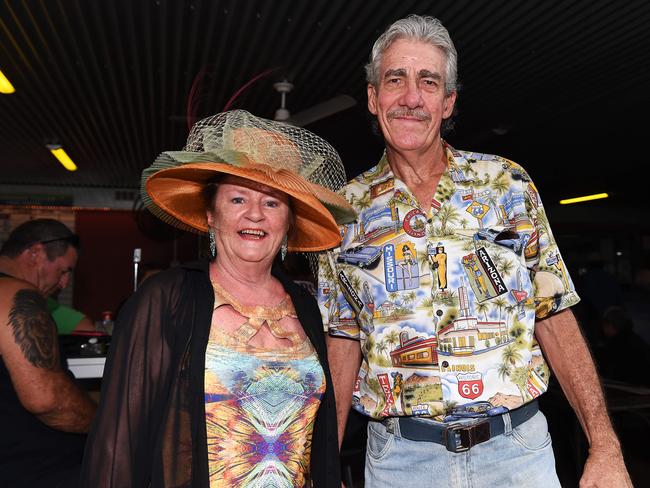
(29, 348)
(68, 320)
(344, 357)
(84, 325)
(565, 348)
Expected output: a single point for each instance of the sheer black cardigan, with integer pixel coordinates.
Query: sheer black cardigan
(150, 426)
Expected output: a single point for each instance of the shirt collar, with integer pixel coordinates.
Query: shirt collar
(453, 156)
(455, 159)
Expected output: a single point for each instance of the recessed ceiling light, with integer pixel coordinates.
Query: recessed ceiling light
(5, 85)
(586, 198)
(60, 154)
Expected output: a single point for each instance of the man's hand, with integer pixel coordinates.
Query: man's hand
(566, 351)
(605, 468)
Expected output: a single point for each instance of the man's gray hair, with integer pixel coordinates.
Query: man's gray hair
(418, 28)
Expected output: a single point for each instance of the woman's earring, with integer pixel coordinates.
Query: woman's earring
(213, 244)
(283, 248)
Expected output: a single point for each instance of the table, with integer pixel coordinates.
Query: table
(90, 367)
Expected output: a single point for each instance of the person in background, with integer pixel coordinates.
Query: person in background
(217, 373)
(43, 414)
(622, 354)
(599, 291)
(637, 300)
(67, 319)
(449, 370)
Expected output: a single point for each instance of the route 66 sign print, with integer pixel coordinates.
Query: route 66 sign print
(470, 385)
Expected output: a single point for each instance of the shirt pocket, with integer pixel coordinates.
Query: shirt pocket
(494, 265)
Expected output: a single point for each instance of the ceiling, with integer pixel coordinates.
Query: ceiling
(562, 87)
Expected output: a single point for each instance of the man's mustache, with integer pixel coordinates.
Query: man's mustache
(417, 113)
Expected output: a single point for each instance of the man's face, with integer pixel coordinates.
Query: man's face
(53, 276)
(410, 101)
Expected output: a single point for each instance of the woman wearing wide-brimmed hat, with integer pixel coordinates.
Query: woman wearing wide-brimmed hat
(217, 374)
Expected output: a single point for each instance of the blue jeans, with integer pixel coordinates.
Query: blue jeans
(521, 457)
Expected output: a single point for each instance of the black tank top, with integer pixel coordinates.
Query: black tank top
(31, 453)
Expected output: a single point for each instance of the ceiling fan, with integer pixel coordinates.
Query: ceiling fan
(304, 117)
(312, 114)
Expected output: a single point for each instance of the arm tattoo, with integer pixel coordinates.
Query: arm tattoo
(34, 330)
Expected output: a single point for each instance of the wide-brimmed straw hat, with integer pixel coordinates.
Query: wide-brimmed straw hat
(287, 158)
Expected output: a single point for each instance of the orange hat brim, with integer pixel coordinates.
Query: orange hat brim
(179, 192)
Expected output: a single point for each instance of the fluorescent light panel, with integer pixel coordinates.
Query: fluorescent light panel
(596, 196)
(5, 85)
(60, 154)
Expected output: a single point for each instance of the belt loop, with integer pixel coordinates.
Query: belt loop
(393, 426)
(507, 423)
(388, 423)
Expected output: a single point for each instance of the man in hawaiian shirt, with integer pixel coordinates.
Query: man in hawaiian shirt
(467, 288)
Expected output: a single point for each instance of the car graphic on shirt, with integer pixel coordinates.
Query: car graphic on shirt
(478, 409)
(506, 238)
(362, 256)
(517, 173)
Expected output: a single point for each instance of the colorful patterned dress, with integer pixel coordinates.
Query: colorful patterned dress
(260, 407)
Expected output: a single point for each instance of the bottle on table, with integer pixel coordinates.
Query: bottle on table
(106, 324)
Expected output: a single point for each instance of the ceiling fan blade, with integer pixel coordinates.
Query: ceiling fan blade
(322, 110)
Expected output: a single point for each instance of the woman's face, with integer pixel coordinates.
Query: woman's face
(249, 220)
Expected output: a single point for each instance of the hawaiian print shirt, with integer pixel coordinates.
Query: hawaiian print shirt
(444, 303)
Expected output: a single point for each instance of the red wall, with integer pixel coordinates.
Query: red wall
(104, 274)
